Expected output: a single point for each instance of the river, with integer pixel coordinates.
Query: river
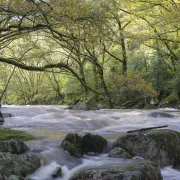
(50, 124)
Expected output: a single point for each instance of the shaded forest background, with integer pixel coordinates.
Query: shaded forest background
(122, 54)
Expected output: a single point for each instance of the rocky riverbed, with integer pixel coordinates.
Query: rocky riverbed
(120, 155)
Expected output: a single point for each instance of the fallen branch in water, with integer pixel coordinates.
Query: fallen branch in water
(149, 128)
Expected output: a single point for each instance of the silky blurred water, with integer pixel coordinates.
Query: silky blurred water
(50, 124)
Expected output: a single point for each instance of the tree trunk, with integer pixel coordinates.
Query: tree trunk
(123, 47)
(101, 73)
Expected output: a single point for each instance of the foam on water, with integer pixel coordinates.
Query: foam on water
(169, 173)
(88, 162)
(45, 172)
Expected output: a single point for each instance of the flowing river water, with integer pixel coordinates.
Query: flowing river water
(50, 124)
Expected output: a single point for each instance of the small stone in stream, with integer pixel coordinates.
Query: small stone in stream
(57, 173)
(119, 153)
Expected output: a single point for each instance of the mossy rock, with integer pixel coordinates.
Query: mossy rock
(15, 146)
(18, 165)
(78, 145)
(161, 146)
(73, 144)
(8, 134)
(143, 171)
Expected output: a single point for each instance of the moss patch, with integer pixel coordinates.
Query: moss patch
(7, 134)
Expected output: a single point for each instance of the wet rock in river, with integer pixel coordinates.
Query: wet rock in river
(160, 114)
(6, 115)
(118, 152)
(13, 146)
(142, 171)
(161, 146)
(19, 165)
(1, 118)
(78, 145)
(57, 173)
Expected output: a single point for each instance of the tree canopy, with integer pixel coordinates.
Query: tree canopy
(123, 52)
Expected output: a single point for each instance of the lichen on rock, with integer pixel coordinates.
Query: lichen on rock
(13, 146)
(19, 165)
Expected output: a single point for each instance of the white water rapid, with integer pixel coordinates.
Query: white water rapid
(50, 124)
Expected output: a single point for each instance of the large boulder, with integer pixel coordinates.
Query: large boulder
(143, 171)
(161, 146)
(78, 145)
(19, 165)
(13, 146)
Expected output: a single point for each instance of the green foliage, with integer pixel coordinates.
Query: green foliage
(172, 99)
(120, 52)
(132, 89)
